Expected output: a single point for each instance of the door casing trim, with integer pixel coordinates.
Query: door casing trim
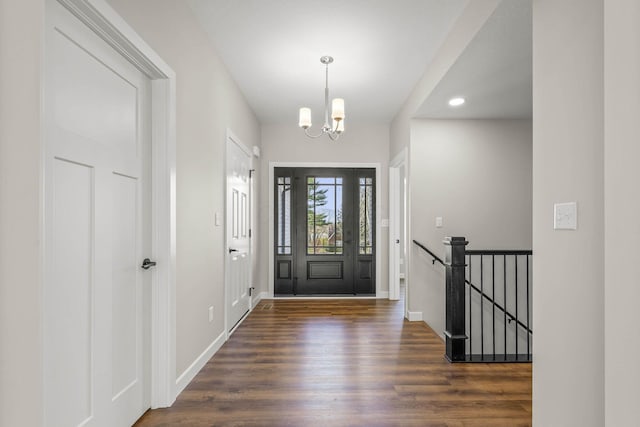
(100, 17)
(376, 166)
(400, 160)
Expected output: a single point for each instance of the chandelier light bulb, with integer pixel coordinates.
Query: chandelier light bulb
(337, 109)
(305, 118)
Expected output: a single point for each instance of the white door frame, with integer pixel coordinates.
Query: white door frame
(376, 166)
(233, 139)
(399, 161)
(394, 233)
(108, 25)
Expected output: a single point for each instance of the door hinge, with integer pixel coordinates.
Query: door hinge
(251, 289)
(249, 233)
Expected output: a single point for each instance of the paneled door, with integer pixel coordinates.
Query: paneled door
(325, 231)
(97, 229)
(238, 222)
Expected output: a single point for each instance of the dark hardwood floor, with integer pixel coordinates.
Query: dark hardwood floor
(345, 363)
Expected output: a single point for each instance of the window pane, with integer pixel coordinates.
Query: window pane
(331, 181)
(362, 225)
(366, 220)
(284, 215)
(339, 238)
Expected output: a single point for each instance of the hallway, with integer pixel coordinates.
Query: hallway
(345, 362)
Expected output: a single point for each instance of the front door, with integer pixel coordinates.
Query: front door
(325, 231)
(97, 229)
(238, 232)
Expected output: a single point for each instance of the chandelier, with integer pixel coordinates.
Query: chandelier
(337, 111)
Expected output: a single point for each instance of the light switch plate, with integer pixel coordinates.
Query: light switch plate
(439, 222)
(565, 216)
(218, 219)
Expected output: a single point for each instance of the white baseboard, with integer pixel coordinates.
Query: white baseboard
(382, 295)
(190, 373)
(414, 316)
(259, 297)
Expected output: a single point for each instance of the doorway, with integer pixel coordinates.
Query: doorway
(325, 234)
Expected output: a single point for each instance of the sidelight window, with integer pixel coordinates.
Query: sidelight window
(284, 215)
(366, 216)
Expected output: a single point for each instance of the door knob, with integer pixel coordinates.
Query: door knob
(147, 263)
(232, 250)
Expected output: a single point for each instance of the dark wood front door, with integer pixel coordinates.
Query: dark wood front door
(325, 231)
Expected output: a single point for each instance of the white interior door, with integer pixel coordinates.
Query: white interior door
(97, 229)
(238, 233)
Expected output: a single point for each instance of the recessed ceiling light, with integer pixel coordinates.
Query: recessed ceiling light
(456, 102)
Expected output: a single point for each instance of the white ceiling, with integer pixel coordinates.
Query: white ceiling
(494, 72)
(272, 49)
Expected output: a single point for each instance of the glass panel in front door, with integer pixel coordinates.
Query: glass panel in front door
(324, 216)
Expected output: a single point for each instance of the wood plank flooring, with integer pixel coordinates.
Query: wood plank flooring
(345, 363)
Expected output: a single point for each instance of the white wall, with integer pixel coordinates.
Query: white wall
(208, 102)
(476, 175)
(21, 347)
(622, 210)
(568, 267)
(361, 143)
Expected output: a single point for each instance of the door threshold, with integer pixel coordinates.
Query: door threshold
(323, 296)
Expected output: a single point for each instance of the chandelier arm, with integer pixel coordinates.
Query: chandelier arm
(334, 136)
(306, 131)
(326, 96)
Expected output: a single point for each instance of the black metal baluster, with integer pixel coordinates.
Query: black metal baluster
(515, 257)
(528, 335)
(481, 308)
(493, 306)
(504, 297)
(470, 312)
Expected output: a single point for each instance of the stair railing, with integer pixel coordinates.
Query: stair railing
(502, 334)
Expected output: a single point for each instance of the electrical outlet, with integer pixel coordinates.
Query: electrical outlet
(211, 314)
